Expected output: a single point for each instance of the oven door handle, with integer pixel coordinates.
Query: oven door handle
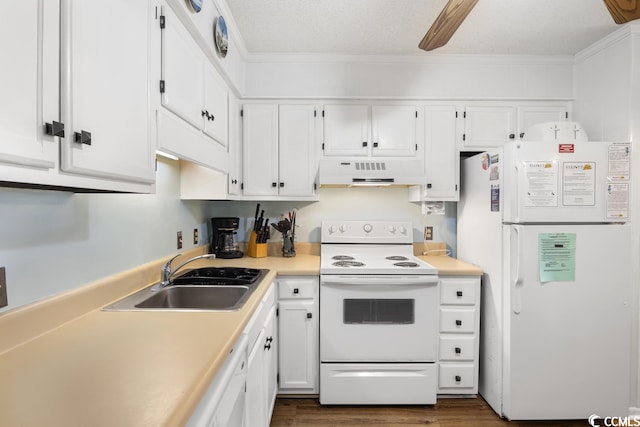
(379, 280)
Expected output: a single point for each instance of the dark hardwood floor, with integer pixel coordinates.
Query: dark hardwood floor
(446, 413)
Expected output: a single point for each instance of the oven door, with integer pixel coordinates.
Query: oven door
(378, 318)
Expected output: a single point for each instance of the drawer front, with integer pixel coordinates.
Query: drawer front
(456, 375)
(296, 288)
(457, 320)
(457, 347)
(459, 291)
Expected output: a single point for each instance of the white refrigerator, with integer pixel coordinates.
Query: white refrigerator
(548, 224)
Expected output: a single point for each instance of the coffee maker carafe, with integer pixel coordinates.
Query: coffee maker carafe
(223, 239)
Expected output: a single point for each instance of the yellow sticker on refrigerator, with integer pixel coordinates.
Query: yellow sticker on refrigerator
(557, 257)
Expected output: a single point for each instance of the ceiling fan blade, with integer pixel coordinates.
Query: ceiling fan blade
(454, 12)
(623, 11)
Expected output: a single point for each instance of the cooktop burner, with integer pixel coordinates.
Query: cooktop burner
(342, 257)
(397, 258)
(348, 263)
(406, 264)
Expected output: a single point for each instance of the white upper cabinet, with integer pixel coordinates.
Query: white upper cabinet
(29, 78)
(394, 130)
(347, 130)
(489, 125)
(192, 115)
(369, 130)
(492, 124)
(105, 90)
(278, 150)
(533, 115)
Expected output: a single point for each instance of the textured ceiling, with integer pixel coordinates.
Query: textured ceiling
(395, 27)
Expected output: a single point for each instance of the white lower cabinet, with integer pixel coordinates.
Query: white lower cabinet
(458, 345)
(262, 363)
(298, 334)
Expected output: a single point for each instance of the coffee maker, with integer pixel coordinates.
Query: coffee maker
(223, 239)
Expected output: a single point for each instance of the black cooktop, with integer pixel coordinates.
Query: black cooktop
(220, 276)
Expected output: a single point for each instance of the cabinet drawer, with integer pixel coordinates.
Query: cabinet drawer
(456, 375)
(457, 347)
(457, 320)
(299, 287)
(459, 291)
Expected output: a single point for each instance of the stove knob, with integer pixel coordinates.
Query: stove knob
(403, 230)
(367, 228)
(332, 229)
(343, 228)
(392, 229)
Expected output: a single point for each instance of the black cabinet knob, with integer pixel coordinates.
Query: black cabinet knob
(273, 184)
(521, 135)
(54, 129)
(458, 350)
(429, 185)
(512, 136)
(459, 294)
(458, 322)
(296, 290)
(365, 143)
(309, 315)
(458, 378)
(83, 137)
(375, 145)
(282, 184)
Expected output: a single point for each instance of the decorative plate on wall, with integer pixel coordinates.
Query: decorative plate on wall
(196, 5)
(220, 35)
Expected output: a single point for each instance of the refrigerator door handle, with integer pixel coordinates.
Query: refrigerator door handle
(518, 282)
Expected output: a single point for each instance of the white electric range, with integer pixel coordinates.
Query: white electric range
(378, 316)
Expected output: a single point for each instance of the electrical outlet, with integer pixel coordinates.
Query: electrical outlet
(179, 240)
(195, 236)
(428, 233)
(3, 288)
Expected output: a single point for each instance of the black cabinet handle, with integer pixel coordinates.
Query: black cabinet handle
(282, 184)
(521, 135)
(429, 185)
(234, 181)
(273, 184)
(296, 290)
(309, 315)
(459, 294)
(269, 340)
(205, 113)
(82, 137)
(458, 350)
(512, 136)
(212, 117)
(267, 346)
(365, 143)
(375, 145)
(458, 378)
(458, 322)
(54, 129)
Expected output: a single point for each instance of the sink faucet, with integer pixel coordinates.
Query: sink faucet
(167, 273)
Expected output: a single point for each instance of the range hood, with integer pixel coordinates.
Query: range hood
(371, 172)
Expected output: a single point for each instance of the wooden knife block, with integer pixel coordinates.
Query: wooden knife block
(256, 250)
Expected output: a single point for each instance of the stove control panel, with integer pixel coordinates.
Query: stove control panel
(373, 232)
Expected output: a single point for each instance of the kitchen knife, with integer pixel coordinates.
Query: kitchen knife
(255, 218)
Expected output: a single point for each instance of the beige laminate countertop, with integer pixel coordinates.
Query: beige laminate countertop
(64, 362)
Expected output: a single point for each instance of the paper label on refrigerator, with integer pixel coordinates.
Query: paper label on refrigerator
(495, 197)
(618, 200)
(578, 184)
(557, 257)
(541, 186)
(619, 162)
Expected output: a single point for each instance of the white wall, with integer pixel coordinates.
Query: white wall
(430, 77)
(346, 204)
(53, 241)
(607, 88)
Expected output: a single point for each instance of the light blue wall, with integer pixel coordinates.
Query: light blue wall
(53, 241)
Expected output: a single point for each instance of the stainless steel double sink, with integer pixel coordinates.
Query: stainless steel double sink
(196, 290)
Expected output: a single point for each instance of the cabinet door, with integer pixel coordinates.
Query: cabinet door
(295, 150)
(104, 89)
(441, 155)
(346, 130)
(270, 362)
(29, 81)
(394, 130)
(298, 336)
(260, 149)
(215, 105)
(255, 400)
(235, 146)
(182, 71)
(488, 126)
(533, 115)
